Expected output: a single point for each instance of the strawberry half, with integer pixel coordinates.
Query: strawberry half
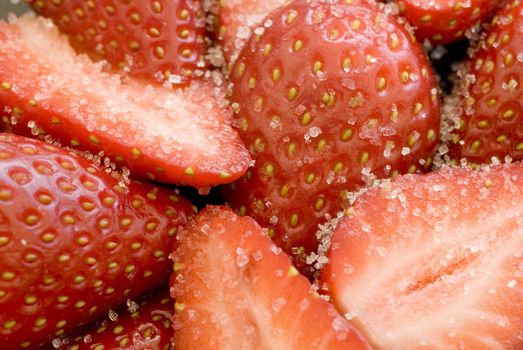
(488, 115)
(325, 96)
(155, 40)
(143, 326)
(234, 289)
(443, 22)
(180, 136)
(236, 21)
(434, 261)
(75, 240)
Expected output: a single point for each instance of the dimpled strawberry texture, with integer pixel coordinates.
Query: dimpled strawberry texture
(326, 95)
(73, 241)
(142, 325)
(151, 39)
(488, 116)
(446, 21)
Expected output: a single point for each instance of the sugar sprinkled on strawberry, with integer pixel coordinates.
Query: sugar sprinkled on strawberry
(326, 97)
(486, 111)
(181, 136)
(434, 261)
(235, 289)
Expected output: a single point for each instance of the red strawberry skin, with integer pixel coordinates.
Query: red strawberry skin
(147, 325)
(317, 124)
(488, 115)
(181, 136)
(434, 261)
(73, 241)
(234, 289)
(149, 39)
(443, 22)
(237, 19)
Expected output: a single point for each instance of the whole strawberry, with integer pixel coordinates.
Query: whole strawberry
(486, 109)
(443, 22)
(155, 40)
(74, 240)
(326, 95)
(145, 325)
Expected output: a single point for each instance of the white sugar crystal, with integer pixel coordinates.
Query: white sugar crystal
(278, 303)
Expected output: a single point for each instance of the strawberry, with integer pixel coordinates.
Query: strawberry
(434, 261)
(75, 240)
(154, 40)
(237, 19)
(234, 289)
(180, 136)
(327, 94)
(487, 116)
(443, 22)
(144, 326)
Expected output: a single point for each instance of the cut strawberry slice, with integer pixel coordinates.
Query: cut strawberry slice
(434, 262)
(180, 136)
(138, 326)
(234, 289)
(155, 40)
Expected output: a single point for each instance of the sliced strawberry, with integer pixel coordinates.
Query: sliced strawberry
(236, 21)
(143, 326)
(488, 114)
(443, 22)
(434, 261)
(180, 136)
(75, 240)
(234, 289)
(155, 40)
(328, 94)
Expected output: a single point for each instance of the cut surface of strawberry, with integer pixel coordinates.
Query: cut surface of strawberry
(488, 113)
(145, 325)
(443, 22)
(180, 136)
(74, 240)
(434, 261)
(327, 95)
(234, 289)
(236, 21)
(155, 40)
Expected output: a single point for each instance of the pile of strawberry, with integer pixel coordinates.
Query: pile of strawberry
(359, 206)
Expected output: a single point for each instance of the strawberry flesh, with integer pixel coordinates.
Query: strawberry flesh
(325, 96)
(153, 40)
(180, 136)
(75, 240)
(434, 261)
(234, 289)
